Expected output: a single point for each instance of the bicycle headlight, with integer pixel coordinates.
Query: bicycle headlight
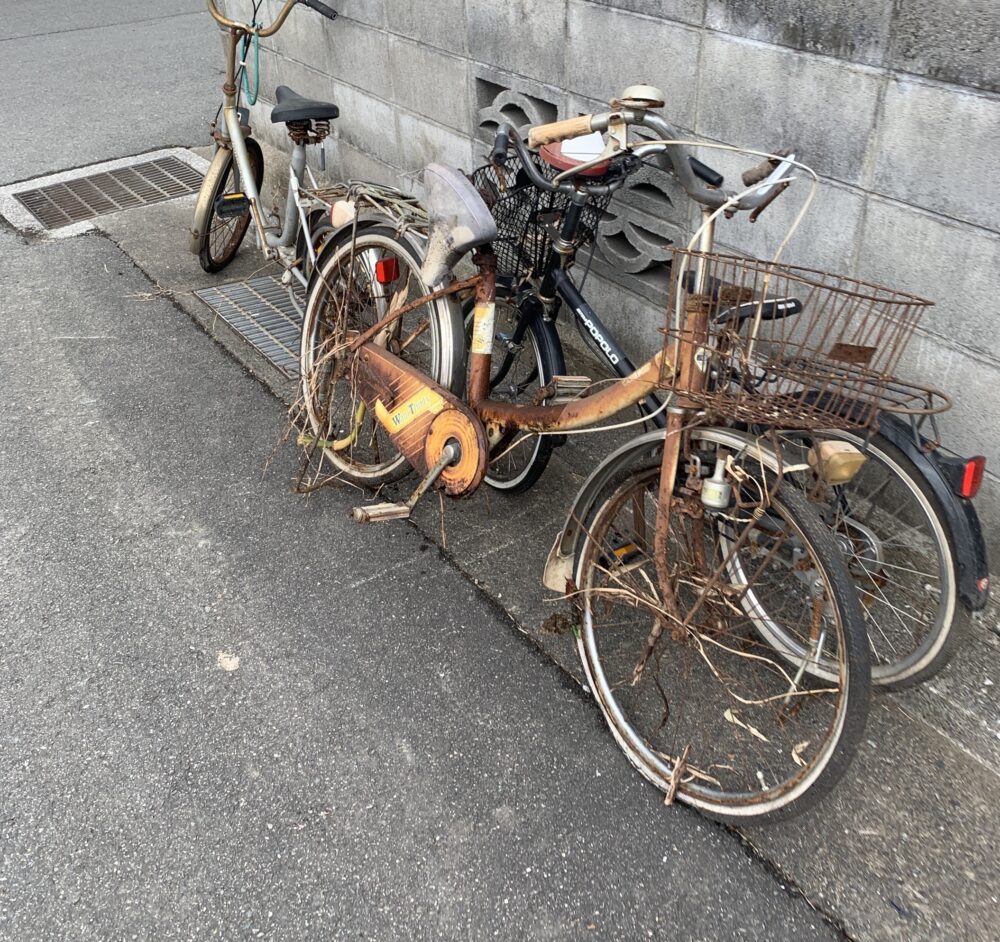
(835, 462)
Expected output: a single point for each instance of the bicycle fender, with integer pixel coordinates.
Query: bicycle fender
(365, 220)
(560, 564)
(203, 207)
(960, 517)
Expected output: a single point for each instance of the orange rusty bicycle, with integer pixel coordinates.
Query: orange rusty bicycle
(719, 628)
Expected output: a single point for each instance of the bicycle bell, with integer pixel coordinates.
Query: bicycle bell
(639, 98)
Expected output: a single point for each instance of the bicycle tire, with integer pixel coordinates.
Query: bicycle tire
(347, 297)
(518, 465)
(900, 554)
(801, 777)
(219, 239)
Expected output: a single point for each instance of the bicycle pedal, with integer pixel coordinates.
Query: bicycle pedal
(232, 205)
(568, 388)
(374, 513)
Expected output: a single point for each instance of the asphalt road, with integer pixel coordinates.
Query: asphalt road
(85, 82)
(389, 758)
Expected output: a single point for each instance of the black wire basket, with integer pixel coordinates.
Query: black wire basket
(521, 212)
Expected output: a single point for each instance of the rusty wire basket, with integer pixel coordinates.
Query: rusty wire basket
(787, 347)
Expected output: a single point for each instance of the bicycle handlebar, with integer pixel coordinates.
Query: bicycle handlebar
(279, 20)
(321, 8)
(500, 145)
(702, 183)
(710, 176)
(507, 135)
(560, 130)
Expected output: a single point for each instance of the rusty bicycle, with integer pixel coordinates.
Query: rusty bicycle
(718, 626)
(905, 522)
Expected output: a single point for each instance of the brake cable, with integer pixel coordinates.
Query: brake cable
(252, 96)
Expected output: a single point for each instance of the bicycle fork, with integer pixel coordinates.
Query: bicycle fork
(690, 376)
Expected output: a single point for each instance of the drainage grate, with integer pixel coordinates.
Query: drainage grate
(261, 311)
(155, 181)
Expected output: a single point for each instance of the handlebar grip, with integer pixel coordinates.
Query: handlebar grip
(560, 130)
(706, 173)
(500, 144)
(322, 8)
(764, 169)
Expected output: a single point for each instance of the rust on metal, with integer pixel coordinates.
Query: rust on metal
(852, 353)
(422, 417)
(578, 413)
(310, 131)
(465, 474)
(661, 536)
(771, 197)
(397, 313)
(480, 361)
(830, 364)
(692, 374)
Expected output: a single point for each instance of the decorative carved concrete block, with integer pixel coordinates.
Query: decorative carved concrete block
(497, 102)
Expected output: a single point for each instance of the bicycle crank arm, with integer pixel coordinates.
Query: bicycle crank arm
(423, 419)
(401, 511)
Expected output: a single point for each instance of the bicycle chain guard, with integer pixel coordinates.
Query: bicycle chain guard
(421, 418)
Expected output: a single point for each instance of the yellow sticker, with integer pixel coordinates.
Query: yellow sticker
(483, 322)
(422, 401)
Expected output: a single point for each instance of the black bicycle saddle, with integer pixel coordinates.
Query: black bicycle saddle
(293, 107)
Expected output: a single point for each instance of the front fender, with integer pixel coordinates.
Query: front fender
(203, 206)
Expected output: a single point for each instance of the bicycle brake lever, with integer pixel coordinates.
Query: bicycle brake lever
(779, 188)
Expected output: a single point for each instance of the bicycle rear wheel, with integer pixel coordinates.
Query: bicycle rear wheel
(700, 703)
(357, 284)
(894, 536)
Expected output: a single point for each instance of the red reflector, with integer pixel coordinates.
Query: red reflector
(983, 584)
(387, 270)
(972, 477)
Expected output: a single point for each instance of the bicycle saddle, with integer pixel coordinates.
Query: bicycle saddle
(553, 155)
(293, 107)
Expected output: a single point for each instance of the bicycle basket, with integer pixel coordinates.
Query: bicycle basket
(788, 347)
(520, 210)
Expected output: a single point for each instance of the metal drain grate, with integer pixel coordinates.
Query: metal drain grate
(155, 181)
(261, 311)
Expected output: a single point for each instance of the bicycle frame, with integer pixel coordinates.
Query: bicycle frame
(636, 387)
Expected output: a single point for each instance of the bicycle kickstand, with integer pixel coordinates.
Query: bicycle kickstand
(390, 510)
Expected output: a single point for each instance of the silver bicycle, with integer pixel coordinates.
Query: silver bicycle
(230, 194)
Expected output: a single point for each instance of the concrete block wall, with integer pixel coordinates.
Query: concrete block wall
(896, 105)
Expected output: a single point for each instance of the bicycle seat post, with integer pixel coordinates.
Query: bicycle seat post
(481, 349)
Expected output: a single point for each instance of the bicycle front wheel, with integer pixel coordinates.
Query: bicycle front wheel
(358, 283)
(220, 237)
(702, 705)
(525, 358)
